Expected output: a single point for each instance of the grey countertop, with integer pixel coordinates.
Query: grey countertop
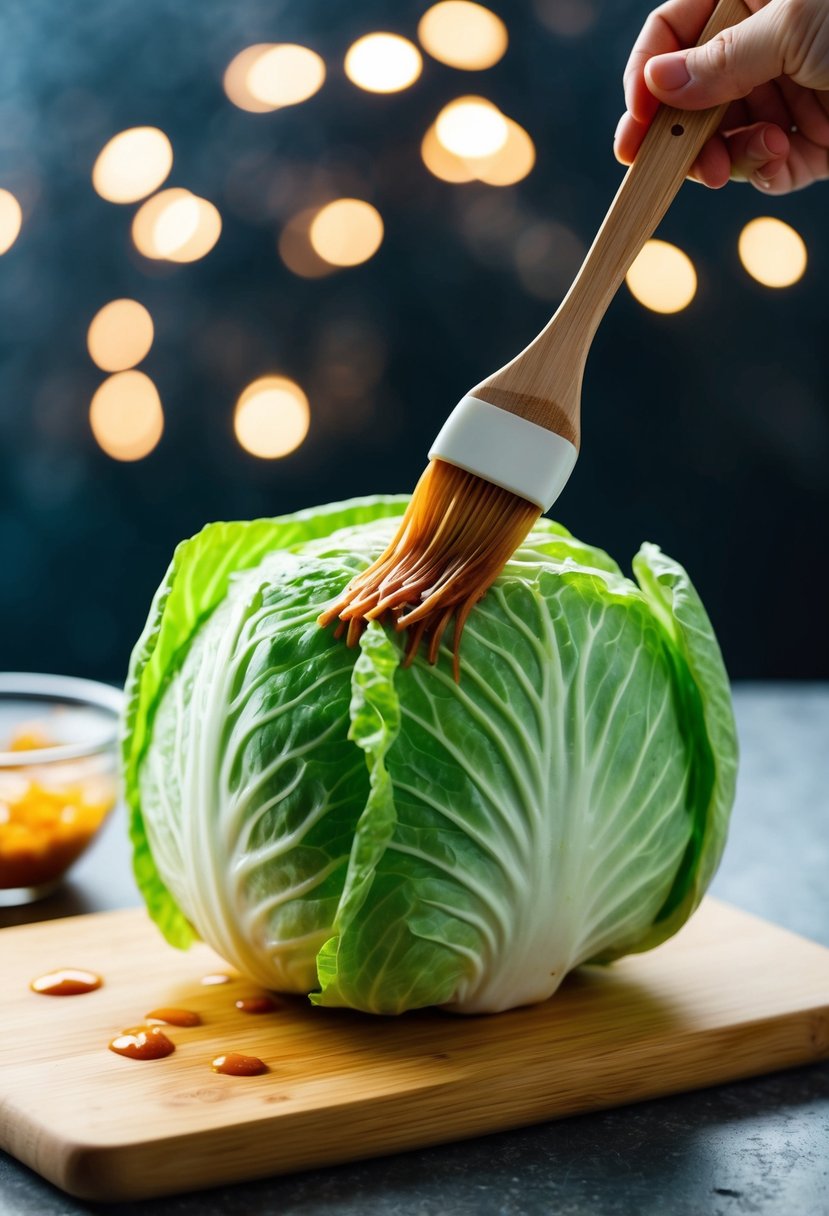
(755, 1148)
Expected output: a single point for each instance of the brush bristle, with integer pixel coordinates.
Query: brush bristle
(456, 536)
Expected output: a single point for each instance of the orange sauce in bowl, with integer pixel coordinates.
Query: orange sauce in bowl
(45, 827)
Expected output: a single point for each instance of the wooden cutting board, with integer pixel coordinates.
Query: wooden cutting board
(730, 996)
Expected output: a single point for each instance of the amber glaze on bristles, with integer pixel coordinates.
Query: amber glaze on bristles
(456, 536)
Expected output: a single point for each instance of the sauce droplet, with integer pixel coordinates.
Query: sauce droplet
(175, 1017)
(256, 1004)
(69, 981)
(236, 1065)
(218, 978)
(143, 1043)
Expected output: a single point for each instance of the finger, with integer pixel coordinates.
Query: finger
(727, 67)
(670, 27)
(639, 100)
(815, 158)
(781, 183)
(713, 165)
(760, 149)
(805, 164)
(766, 177)
(628, 138)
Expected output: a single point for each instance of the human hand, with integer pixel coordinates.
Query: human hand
(774, 69)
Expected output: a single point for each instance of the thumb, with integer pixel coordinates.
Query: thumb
(728, 67)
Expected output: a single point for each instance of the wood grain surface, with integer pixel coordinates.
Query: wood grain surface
(731, 996)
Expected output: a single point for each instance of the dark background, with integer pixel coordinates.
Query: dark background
(706, 431)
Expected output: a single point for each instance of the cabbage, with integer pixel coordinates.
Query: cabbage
(385, 838)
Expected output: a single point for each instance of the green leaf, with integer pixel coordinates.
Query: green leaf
(704, 695)
(198, 579)
(375, 722)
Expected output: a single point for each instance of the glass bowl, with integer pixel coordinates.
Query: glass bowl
(58, 776)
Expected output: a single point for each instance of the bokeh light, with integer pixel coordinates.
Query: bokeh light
(443, 163)
(662, 278)
(463, 35)
(235, 79)
(490, 223)
(547, 257)
(284, 75)
(511, 163)
(272, 417)
(296, 250)
(772, 252)
(126, 416)
(567, 18)
(201, 235)
(132, 165)
(148, 215)
(383, 63)
(348, 357)
(11, 220)
(177, 226)
(471, 127)
(120, 335)
(346, 232)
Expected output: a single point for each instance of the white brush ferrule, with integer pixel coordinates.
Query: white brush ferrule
(520, 456)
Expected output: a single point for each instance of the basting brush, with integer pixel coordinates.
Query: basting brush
(507, 449)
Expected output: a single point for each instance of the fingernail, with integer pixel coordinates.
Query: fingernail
(775, 142)
(769, 171)
(668, 72)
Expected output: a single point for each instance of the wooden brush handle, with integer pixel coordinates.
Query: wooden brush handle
(543, 383)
